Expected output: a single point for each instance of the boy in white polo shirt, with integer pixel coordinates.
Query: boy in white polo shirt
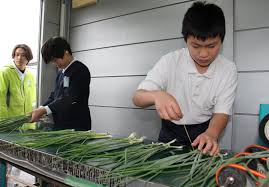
(193, 89)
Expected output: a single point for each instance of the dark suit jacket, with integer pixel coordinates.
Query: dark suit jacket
(69, 105)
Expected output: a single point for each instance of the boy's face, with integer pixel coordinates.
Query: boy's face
(58, 62)
(61, 62)
(204, 52)
(20, 59)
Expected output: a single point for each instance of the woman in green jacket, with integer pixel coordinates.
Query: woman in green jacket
(17, 84)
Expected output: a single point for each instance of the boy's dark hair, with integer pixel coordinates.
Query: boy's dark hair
(203, 20)
(55, 47)
(26, 48)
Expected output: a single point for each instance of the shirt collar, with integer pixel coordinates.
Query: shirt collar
(19, 71)
(191, 68)
(211, 69)
(21, 74)
(68, 65)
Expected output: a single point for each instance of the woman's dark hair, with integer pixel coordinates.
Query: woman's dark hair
(55, 47)
(203, 21)
(26, 48)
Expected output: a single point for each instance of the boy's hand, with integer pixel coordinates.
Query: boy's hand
(207, 144)
(167, 106)
(37, 114)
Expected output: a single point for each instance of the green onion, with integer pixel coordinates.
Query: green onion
(13, 123)
(62, 138)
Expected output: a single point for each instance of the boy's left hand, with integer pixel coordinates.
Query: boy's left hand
(207, 144)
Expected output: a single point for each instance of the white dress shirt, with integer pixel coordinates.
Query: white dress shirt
(21, 74)
(198, 95)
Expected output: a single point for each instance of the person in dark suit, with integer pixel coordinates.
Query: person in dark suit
(68, 103)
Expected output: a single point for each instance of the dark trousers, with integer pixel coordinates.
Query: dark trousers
(171, 131)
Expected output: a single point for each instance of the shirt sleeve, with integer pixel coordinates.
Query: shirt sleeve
(50, 99)
(156, 78)
(48, 110)
(226, 96)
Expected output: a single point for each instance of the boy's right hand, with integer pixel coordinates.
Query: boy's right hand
(167, 106)
(37, 114)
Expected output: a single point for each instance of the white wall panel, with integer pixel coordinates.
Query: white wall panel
(47, 83)
(245, 131)
(227, 7)
(251, 55)
(251, 14)
(225, 140)
(50, 27)
(114, 91)
(129, 60)
(252, 50)
(111, 8)
(123, 122)
(152, 25)
(252, 91)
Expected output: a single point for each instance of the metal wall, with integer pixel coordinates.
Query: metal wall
(50, 26)
(120, 40)
(251, 52)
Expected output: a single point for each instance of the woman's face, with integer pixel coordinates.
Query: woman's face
(20, 59)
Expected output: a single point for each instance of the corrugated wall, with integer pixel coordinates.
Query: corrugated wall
(50, 21)
(251, 37)
(120, 40)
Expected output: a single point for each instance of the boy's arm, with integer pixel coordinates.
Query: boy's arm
(143, 98)
(207, 141)
(217, 124)
(166, 105)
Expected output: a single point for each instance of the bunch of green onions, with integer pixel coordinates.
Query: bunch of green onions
(13, 123)
(197, 169)
(127, 159)
(109, 156)
(82, 152)
(61, 138)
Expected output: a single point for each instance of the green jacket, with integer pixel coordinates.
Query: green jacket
(16, 97)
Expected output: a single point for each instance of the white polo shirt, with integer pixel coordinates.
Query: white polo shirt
(198, 95)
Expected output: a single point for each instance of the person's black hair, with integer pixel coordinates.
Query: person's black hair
(203, 20)
(55, 47)
(26, 48)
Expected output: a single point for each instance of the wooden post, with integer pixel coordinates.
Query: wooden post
(83, 3)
